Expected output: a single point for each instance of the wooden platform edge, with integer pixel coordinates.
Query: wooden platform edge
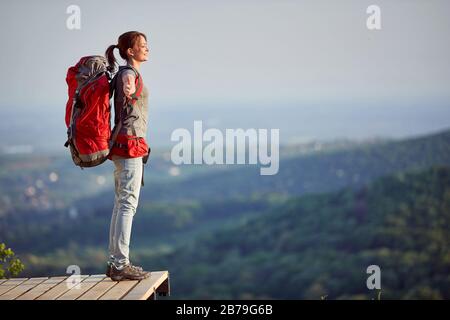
(158, 284)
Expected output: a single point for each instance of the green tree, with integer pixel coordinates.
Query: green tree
(10, 266)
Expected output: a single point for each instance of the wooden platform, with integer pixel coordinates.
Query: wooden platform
(84, 287)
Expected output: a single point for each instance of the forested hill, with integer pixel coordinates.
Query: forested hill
(321, 245)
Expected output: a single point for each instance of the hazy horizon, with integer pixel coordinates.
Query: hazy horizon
(296, 124)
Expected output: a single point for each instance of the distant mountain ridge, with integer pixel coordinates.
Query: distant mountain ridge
(318, 172)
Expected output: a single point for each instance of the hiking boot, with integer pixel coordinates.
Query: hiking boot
(129, 272)
(108, 269)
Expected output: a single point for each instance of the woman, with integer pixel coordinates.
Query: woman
(128, 150)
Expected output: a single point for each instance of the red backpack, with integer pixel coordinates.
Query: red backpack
(88, 111)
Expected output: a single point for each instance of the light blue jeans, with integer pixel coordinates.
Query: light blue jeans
(127, 180)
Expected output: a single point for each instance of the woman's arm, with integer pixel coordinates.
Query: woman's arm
(128, 79)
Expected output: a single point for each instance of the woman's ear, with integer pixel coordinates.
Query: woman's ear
(130, 52)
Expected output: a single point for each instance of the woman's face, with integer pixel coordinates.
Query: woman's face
(140, 51)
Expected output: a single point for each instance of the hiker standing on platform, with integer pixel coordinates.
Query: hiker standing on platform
(129, 151)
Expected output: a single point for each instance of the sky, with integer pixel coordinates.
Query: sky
(230, 55)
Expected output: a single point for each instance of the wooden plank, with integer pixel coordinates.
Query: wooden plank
(3, 280)
(22, 288)
(16, 279)
(11, 284)
(98, 290)
(87, 284)
(61, 288)
(145, 288)
(119, 290)
(41, 288)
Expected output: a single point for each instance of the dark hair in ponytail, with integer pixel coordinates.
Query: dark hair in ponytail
(110, 57)
(126, 40)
